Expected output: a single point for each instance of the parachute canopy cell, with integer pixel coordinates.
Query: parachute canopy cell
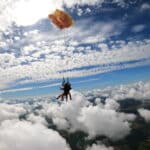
(61, 19)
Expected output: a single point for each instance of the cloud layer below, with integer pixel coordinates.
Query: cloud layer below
(32, 120)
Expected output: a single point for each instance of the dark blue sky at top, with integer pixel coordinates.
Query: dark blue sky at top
(130, 15)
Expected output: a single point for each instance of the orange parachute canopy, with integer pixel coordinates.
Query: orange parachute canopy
(61, 19)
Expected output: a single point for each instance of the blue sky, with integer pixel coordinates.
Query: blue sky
(108, 45)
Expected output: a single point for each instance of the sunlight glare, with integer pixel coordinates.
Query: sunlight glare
(28, 12)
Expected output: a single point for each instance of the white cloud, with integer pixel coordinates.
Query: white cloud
(88, 10)
(138, 91)
(111, 104)
(138, 28)
(96, 119)
(79, 114)
(36, 119)
(145, 114)
(145, 6)
(99, 147)
(79, 11)
(106, 122)
(22, 135)
(9, 112)
(82, 2)
(8, 60)
(65, 116)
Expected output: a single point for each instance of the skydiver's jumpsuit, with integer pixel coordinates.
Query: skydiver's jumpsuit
(66, 89)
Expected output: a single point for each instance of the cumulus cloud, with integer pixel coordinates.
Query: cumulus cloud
(145, 114)
(96, 118)
(111, 104)
(65, 116)
(138, 90)
(22, 135)
(99, 147)
(79, 114)
(105, 122)
(9, 112)
(37, 119)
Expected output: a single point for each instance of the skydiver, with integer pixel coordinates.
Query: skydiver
(66, 87)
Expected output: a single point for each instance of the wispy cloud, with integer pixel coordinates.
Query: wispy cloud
(53, 64)
(28, 88)
(138, 28)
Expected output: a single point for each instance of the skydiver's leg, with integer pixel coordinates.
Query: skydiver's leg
(66, 97)
(61, 95)
(70, 96)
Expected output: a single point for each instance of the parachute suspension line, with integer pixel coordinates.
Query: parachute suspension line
(64, 44)
(66, 34)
